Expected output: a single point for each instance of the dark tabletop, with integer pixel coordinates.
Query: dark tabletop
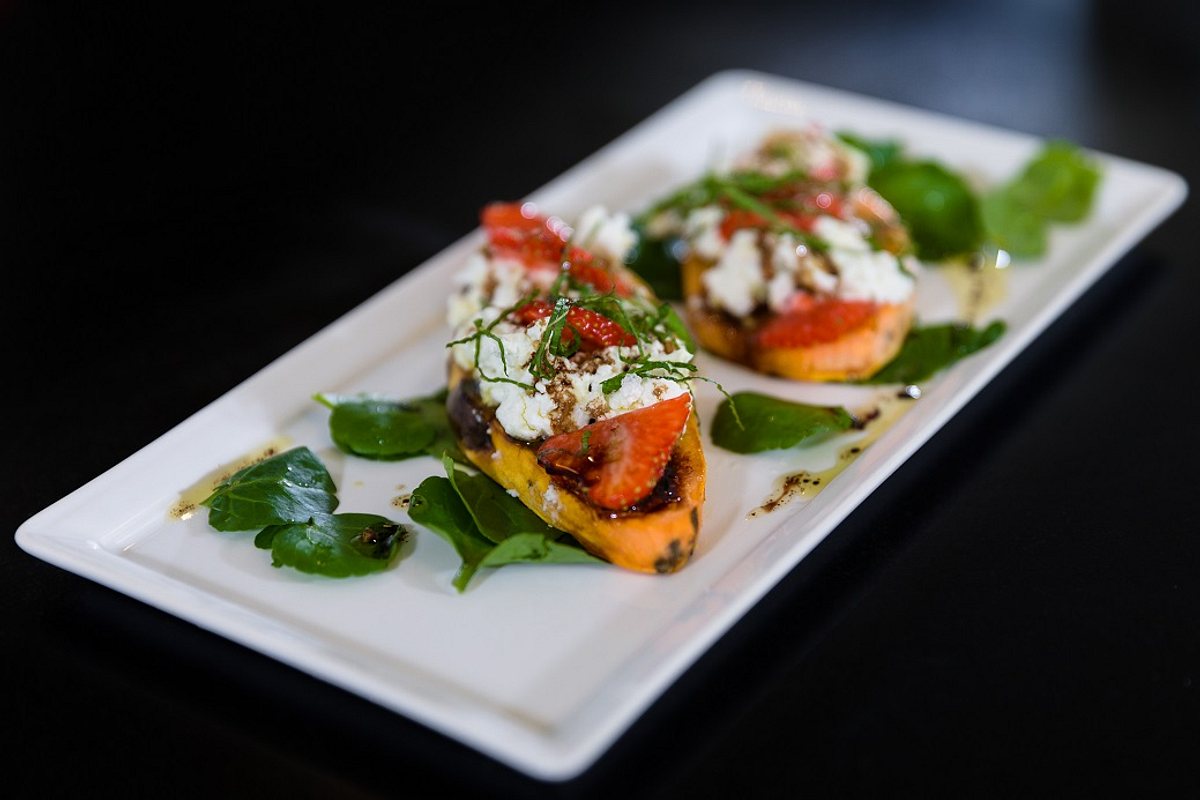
(185, 198)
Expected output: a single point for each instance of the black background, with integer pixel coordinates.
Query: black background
(183, 198)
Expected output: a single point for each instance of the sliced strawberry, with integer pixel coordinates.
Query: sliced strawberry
(512, 215)
(599, 329)
(593, 327)
(619, 460)
(539, 243)
(531, 312)
(737, 219)
(813, 321)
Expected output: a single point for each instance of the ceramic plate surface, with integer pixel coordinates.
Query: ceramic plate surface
(543, 667)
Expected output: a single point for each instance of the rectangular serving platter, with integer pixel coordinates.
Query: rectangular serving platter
(543, 667)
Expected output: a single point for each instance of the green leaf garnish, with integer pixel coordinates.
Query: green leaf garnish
(334, 545)
(655, 260)
(497, 514)
(1013, 226)
(290, 487)
(534, 548)
(931, 349)
(939, 209)
(486, 526)
(763, 422)
(881, 151)
(438, 507)
(1058, 185)
(385, 429)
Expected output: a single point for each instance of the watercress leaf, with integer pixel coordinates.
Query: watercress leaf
(335, 545)
(939, 209)
(770, 423)
(436, 505)
(1012, 225)
(537, 548)
(290, 487)
(656, 261)
(497, 514)
(1058, 184)
(930, 349)
(881, 151)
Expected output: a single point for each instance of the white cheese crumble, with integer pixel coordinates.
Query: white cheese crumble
(736, 283)
(702, 229)
(607, 235)
(530, 408)
(851, 269)
(863, 274)
(553, 501)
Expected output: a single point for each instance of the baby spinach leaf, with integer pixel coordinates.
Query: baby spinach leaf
(375, 427)
(436, 505)
(656, 262)
(334, 545)
(769, 423)
(1058, 184)
(1013, 226)
(486, 526)
(881, 151)
(939, 209)
(290, 487)
(931, 349)
(497, 514)
(536, 548)
(381, 428)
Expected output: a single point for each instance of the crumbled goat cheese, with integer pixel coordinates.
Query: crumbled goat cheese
(863, 273)
(607, 235)
(736, 283)
(702, 229)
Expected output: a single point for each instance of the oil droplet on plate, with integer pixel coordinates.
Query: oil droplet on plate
(191, 497)
(874, 422)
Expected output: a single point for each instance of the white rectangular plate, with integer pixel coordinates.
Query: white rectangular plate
(543, 667)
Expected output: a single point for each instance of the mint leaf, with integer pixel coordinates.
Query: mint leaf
(931, 349)
(769, 423)
(381, 428)
(939, 209)
(334, 545)
(290, 487)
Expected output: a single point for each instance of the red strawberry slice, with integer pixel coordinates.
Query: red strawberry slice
(619, 460)
(813, 321)
(515, 231)
(738, 219)
(592, 326)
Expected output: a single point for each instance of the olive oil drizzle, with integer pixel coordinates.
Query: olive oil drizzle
(191, 497)
(875, 421)
(979, 283)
